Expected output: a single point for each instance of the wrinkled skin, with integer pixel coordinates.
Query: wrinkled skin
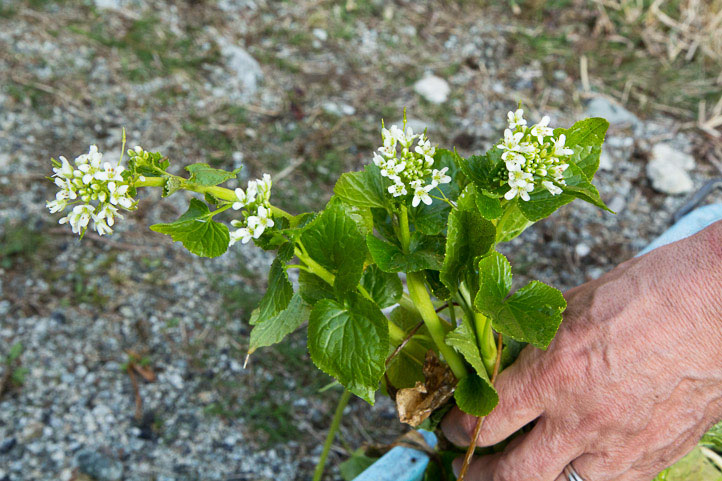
(629, 385)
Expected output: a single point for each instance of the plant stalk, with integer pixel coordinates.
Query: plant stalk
(335, 423)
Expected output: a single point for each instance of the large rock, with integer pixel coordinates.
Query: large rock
(98, 466)
(668, 170)
(612, 111)
(432, 88)
(246, 70)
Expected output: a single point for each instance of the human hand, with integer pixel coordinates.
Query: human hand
(631, 382)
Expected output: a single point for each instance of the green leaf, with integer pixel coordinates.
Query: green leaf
(278, 294)
(425, 252)
(464, 340)
(532, 314)
(512, 222)
(693, 467)
(475, 396)
(272, 330)
(171, 185)
(312, 288)
(438, 289)
(489, 207)
(469, 236)
(355, 465)
(204, 174)
(15, 351)
(385, 289)
(405, 370)
(362, 189)
(713, 437)
(197, 231)
(586, 138)
(541, 203)
(350, 342)
(333, 240)
(485, 171)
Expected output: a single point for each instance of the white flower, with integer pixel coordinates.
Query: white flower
(439, 177)
(379, 161)
(101, 227)
(553, 189)
(516, 119)
(520, 190)
(559, 149)
(241, 196)
(56, 205)
(421, 194)
(398, 189)
(118, 195)
(520, 178)
(110, 173)
(65, 170)
(243, 234)
(557, 171)
(541, 129)
(514, 161)
(78, 217)
(392, 169)
(511, 141)
(398, 135)
(251, 192)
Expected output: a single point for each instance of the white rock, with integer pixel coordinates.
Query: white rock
(339, 110)
(667, 170)
(612, 111)
(246, 69)
(582, 250)
(320, 34)
(432, 88)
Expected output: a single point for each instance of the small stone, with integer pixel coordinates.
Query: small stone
(247, 70)
(434, 89)
(7, 444)
(605, 161)
(99, 466)
(582, 250)
(32, 431)
(667, 170)
(339, 110)
(612, 111)
(320, 34)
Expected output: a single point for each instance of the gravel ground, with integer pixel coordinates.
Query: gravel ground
(292, 88)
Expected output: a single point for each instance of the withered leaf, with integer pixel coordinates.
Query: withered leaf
(415, 404)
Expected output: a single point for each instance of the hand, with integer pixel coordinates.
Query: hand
(629, 385)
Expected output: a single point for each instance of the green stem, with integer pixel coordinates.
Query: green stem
(420, 297)
(335, 423)
(150, 182)
(404, 228)
(487, 343)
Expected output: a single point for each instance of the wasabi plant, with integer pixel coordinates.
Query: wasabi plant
(399, 278)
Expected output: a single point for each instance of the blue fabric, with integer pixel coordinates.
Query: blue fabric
(690, 224)
(400, 464)
(405, 464)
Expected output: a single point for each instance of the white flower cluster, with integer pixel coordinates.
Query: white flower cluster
(255, 202)
(96, 189)
(409, 169)
(533, 156)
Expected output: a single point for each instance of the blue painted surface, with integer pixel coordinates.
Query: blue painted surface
(690, 224)
(400, 464)
(405, 464)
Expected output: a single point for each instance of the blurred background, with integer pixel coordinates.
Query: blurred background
(121, 357)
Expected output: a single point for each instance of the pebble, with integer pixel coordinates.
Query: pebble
(99, 466)
(582, 250)
(432, 88)
(668, 168)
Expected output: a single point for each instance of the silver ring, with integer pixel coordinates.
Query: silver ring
(572, 474)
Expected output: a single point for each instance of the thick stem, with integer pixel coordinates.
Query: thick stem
(480, 420)
(404, 228)
(487, 344)
(335, 423)
(420, 296)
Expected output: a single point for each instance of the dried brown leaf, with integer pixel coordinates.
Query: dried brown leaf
(415, 404)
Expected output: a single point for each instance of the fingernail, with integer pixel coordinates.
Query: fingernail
(456, 465)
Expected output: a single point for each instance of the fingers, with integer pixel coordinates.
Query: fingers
(595, 467)
(519, 404)
(541, 455)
